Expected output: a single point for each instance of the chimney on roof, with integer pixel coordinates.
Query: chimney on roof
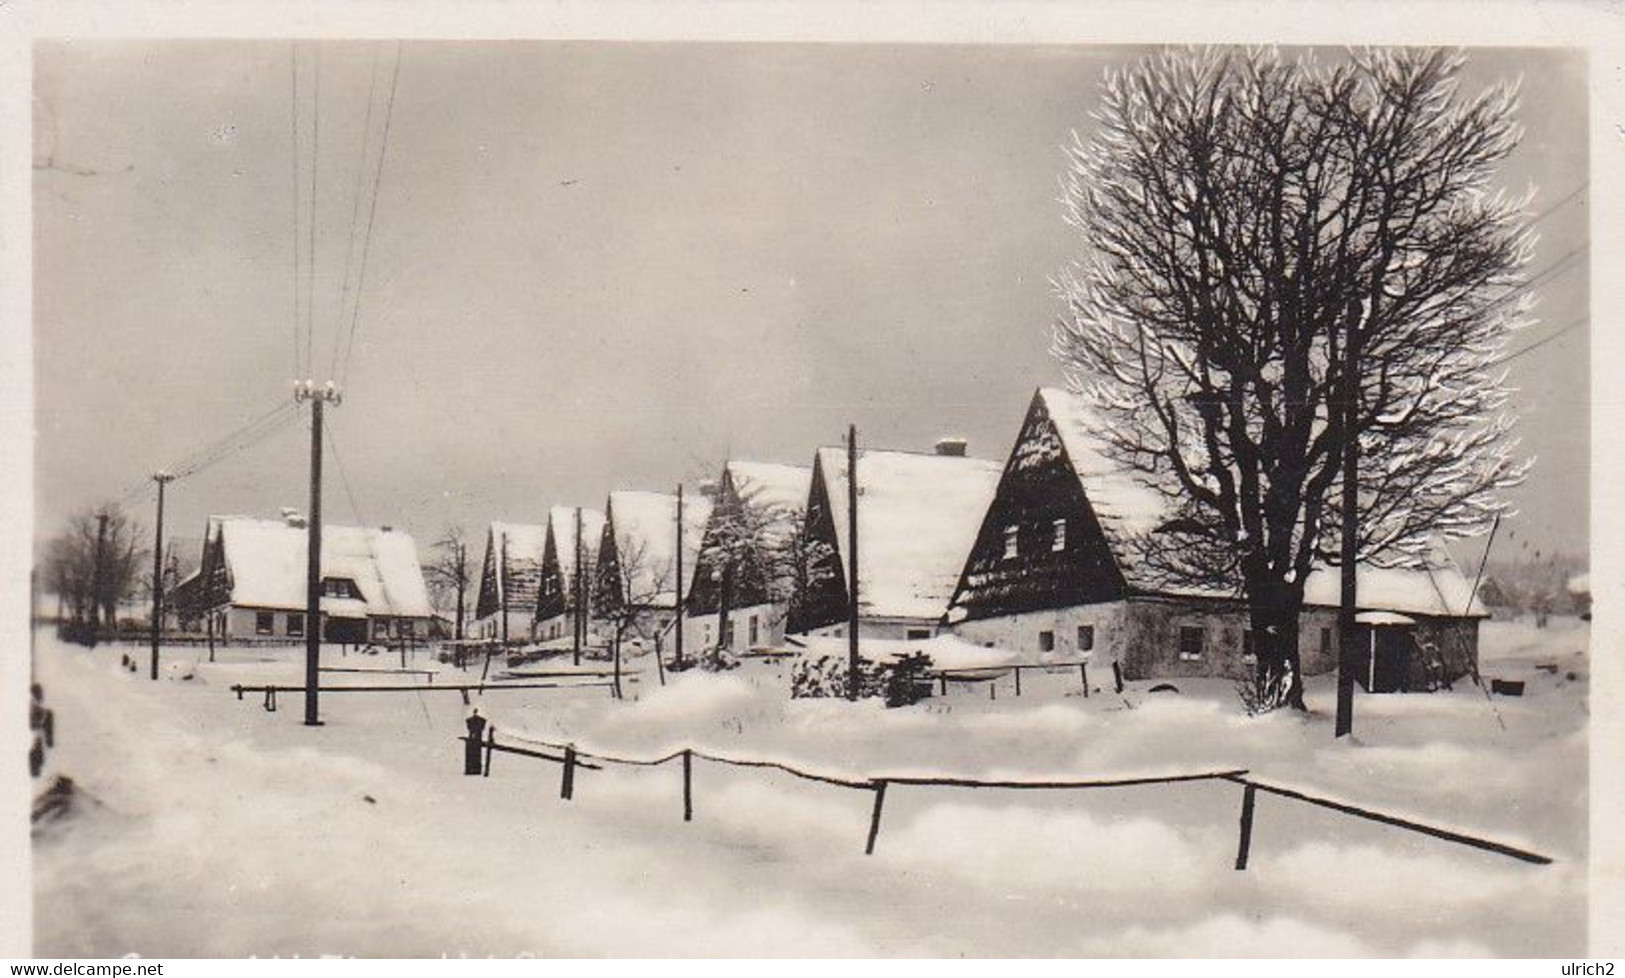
(951, 447)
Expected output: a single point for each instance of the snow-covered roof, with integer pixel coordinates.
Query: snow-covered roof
(561, 523)
(1126, 508)
(266, 559)
(778, 491)
(645, 527)
(917, 518)
(523, 543)
(771, 483)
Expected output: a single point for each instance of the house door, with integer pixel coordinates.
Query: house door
(1389, 666)
(352, 631)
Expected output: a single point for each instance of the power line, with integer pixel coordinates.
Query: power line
(293, 77)
(1560, 202)
(372, 214)
(355, 212)
(315, 163)
(1565, 329)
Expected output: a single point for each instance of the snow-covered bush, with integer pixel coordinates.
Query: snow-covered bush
(900, 681)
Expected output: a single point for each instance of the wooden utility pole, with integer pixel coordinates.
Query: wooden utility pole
(677, 658)
(502, 586)
(163, 479)
(318, 398)
(578, 607)
(462, 583)
(98, 577)
(1347, 636)
(852, 562)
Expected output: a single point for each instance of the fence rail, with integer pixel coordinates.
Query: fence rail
(571, 758)
(272, 689)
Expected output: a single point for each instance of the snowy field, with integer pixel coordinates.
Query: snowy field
(205, 826)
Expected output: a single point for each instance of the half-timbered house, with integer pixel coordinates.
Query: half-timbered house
(1051, 573)
(917, 515)
(743, 575)
(567, 570)
(252, 583)
(509, 579)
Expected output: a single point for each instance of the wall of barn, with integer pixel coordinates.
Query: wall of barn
(1024, 632)
(900, 629)
(700, 631)
(1144, 635)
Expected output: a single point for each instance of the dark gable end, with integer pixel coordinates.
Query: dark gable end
(488, 603)
(606, 585)
(749, 584)
(1039, 487)
(550, 587)
(825, 602)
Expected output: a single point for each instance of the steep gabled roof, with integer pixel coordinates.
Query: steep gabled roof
(561, 525)
(517, 574)
(778, 490)
(1126, 508)
(917, 517)
(647, 522)
(266, 560)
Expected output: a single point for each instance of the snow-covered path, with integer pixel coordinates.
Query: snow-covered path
(209, 827)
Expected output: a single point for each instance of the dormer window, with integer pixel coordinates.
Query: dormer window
(1058, 536)
(1012, 545)
(339, 587)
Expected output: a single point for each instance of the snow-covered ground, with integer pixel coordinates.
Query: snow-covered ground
(206, 826)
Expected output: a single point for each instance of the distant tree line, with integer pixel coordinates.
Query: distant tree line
(94, 566)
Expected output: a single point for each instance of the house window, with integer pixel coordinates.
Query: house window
(380, 628)
(1325, 641)
(1046, 641)
(296, 625)
(1086, 637)
(728, 635)
(1191, 638)
(1058, 537)
(918, 634)
(1011, 545)
(264, 623)
(755, 632)
(1249, 652)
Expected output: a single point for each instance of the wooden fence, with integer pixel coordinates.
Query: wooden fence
(272, 689)
(571, 758)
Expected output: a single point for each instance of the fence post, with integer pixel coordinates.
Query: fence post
(1018, 680)
(490, 744)
(1245, 845)
(993, 688)
(1117, 675)
(1083, 674)
(944, 681)
(874, 817)
(688, 785)
(567, 784)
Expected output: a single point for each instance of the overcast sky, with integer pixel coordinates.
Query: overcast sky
(606, 265)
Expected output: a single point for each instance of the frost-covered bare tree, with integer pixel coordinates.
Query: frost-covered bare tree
(447, 575)
(92, 591)
(627, 586)
(1240, 212)
(747, 545)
